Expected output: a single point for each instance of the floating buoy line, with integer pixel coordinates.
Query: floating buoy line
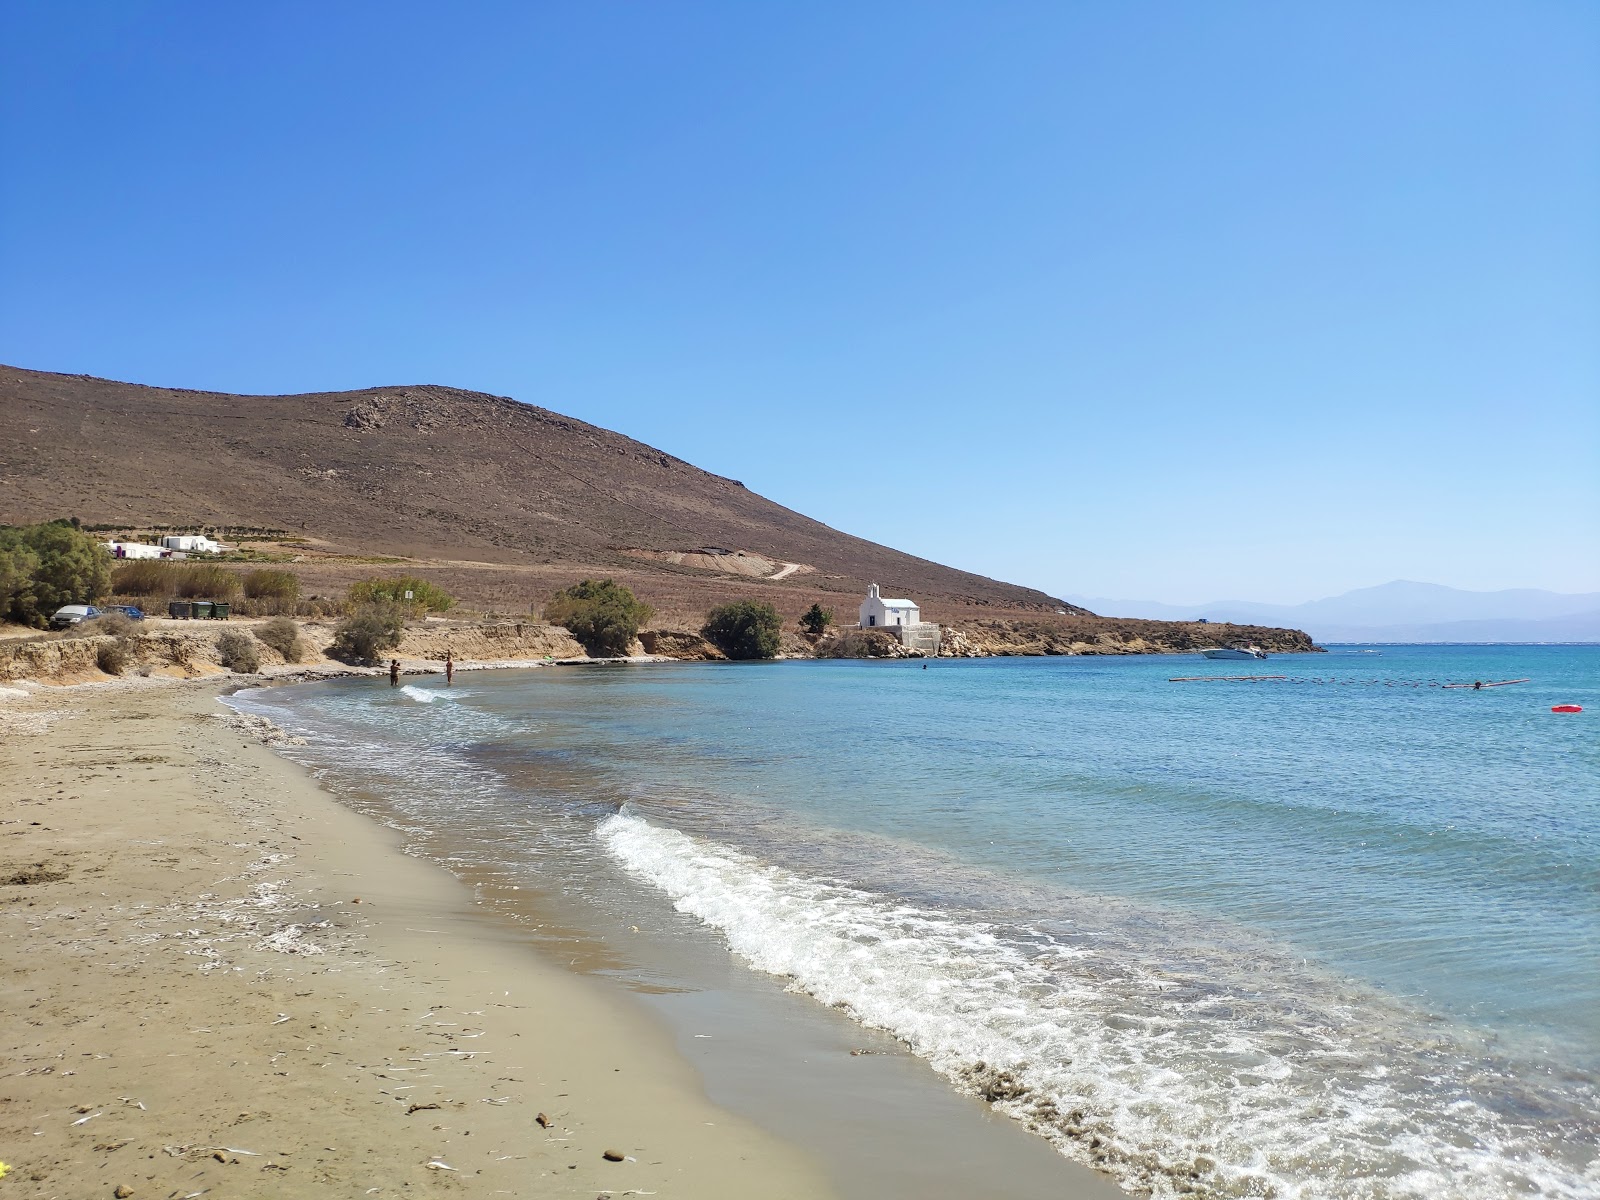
(1412, 683)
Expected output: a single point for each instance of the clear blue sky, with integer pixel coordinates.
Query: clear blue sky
(1177, 301)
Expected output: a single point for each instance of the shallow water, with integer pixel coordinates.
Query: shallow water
(1336, 934)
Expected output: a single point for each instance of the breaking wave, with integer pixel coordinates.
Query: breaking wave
(422, 695)
(1233, 1070)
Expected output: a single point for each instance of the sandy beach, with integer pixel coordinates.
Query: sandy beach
(225, 982)
(222, 981)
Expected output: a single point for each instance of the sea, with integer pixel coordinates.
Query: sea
(1318, 926)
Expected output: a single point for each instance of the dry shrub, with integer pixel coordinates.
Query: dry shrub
(322, 606)
(423, 596)
(113, 658)
(237, 651)
(207, 581)
(283, 635)
(272, 592)
(110, 625)
(145, 577)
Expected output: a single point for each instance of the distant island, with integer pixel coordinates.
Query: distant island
(1400, 611)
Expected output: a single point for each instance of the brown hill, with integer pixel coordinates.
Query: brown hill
(508, 500)
(500, 502)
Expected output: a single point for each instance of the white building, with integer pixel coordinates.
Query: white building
(878, 613)
(192, 543)
(134, 550)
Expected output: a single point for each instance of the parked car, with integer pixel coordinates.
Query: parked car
(74, 614)
(132, 611)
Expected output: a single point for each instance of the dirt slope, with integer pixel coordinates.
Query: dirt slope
(428, 472)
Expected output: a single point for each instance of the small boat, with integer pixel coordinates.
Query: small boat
(1233, 652)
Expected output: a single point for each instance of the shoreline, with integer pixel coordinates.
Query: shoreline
(260, 988)
(230, 980)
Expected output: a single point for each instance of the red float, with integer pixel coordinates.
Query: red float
(1566, 708)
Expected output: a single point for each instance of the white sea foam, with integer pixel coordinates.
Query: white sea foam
(422, 695)
(1176, 1080)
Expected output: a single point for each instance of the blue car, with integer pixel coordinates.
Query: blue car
(132, 611)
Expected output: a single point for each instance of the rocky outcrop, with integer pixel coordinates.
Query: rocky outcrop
(191, 648)
(85, 658)
(863, 643)
(1106, 635)
(489, 641)
(679, 643)
(50, 658)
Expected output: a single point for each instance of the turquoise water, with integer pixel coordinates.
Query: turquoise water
(1336, 934)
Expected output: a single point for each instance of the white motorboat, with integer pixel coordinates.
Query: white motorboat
(1233, 652)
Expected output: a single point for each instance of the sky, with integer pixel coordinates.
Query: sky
(1171, 301)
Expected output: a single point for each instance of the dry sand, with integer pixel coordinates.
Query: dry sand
(220, 981)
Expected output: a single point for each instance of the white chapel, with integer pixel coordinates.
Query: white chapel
(877, 613)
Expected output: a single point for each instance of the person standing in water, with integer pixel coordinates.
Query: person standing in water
(449, 669)
(394, 672)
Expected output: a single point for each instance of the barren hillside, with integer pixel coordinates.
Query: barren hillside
(440, 475)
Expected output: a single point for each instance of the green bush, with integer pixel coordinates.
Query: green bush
(18, 565)
(237, 651)
(205, 581)
(744, 629)
(425, 597)
(600, 613)
(367, 632)
(283, 635)
(45, 566)
(816, 619)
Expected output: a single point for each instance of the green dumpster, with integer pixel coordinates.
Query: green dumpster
(181, 609)
(219, 610)
(202, 609)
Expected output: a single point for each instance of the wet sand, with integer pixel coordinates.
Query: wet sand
(218, 978)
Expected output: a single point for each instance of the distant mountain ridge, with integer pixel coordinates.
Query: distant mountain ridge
(1399, 611)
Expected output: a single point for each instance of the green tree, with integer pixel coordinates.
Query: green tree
(816, 619)
(18, 565)
(424, 597)
(744, 629)
(600, 613)
(63, 565)
(367, 632)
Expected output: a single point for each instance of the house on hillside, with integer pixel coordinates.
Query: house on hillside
(135, 550)
(191, 543)
(903, 618)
